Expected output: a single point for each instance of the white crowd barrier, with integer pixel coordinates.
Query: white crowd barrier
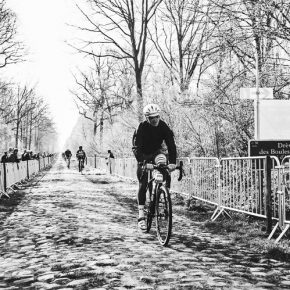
(231, 184)
(13, 173)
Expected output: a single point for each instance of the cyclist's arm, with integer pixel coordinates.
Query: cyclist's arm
(170, 142)
(139, 143)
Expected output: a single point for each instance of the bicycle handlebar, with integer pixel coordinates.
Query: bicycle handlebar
(162, 166)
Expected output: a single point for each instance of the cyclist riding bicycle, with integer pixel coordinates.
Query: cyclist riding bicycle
(149, 140)
(81, 155)
(68, 156)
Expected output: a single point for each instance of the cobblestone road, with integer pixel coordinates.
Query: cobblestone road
(73, 231)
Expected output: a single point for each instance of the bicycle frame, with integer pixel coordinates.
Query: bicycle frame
(68, 161)
(81, 164)
(159, 203)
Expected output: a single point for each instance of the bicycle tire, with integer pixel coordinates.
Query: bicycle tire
(163, 214)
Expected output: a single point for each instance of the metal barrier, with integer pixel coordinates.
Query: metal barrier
(255, 186)
(91, 161)
(243, 185)
(12, 174)
(282, 199)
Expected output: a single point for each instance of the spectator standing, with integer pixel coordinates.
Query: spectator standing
(10, 152)
(14, 156)
(111, 161)
(111, 155)
(4, 157)
(24, 155)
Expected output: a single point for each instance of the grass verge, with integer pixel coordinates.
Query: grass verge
(242, 228)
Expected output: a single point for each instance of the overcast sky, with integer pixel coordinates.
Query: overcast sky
(43, 27)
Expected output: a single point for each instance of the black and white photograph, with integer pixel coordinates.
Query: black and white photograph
(145, 144)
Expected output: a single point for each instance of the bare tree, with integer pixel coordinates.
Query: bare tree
(38, 118)
(22, 106)
(121, 27)
(6, 101)
(11, 50)
(44, 129)
(182, 31)
(279, 12)
(100, 93)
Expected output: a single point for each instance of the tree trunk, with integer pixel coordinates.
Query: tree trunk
(29, 133)
(101, 132)
(17, 134)
(140, 101)
(217, 141)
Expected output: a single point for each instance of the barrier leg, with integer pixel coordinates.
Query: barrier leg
(282, 234)
(214, 213)
(273, 231)
(223, 212)
(4, 193)
(218, 214)
(11, 189)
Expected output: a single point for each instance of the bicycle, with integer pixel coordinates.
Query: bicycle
(160, 205)
(81, 165)
(68, 162)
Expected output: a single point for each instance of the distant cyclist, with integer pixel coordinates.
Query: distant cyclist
(68, 156)
(81, 156)
(149, 139)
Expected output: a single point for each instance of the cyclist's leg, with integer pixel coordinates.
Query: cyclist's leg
(141, 196)
(142, 178)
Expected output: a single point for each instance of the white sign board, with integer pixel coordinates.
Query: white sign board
(251, 93)
(275, 119)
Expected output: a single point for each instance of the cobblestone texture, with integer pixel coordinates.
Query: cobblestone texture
(73, 231)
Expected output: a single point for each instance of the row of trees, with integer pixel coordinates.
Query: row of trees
(22, 110)
(191, 57)
(26, 114)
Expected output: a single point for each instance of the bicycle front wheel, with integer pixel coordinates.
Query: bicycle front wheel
(163, 215)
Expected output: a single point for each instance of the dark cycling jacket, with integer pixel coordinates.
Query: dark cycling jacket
(81, 154)
(67, 153)
(149, 140)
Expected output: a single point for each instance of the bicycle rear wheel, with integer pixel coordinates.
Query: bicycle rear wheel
(163, 215)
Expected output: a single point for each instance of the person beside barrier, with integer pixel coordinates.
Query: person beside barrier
(9, 153)
(13, 157)
(110, 161)
(29, 155)
(4, 157)
(149, 139)
(24, 155)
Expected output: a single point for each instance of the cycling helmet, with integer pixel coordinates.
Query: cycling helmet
(151, 110)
